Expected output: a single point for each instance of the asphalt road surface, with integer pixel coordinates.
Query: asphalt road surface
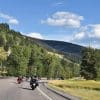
(10, 90)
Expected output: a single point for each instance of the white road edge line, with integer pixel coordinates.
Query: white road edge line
(44, 94)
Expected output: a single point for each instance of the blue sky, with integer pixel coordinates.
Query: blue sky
(75, 21)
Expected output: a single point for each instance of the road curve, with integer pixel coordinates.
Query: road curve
(10, 90)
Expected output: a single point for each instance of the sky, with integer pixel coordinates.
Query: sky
(75, 21)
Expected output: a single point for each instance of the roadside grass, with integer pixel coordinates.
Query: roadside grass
(87, 90)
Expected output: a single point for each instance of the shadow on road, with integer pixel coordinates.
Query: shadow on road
(14, 82)
(26, 88)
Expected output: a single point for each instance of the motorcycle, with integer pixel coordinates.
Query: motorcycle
(33, 85)
(19, 80)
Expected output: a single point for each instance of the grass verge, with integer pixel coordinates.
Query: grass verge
(87, 90)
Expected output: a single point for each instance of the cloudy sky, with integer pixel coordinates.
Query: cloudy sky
(75, 21)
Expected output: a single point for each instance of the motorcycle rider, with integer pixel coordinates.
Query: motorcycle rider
(34, 81)
(19, 79)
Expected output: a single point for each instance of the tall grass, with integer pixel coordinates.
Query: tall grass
(87, 90)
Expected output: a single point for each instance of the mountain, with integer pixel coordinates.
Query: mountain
(64, 47)
(60, 46)
(69, 50)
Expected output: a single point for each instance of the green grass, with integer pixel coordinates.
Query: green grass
(87, 90)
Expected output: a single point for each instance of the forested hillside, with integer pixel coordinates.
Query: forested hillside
(63, 48)
(21, 55)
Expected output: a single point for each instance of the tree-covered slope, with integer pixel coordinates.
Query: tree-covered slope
(61, 46)
(64, 46)
(29, 56)
(69, 50)
(22, 55)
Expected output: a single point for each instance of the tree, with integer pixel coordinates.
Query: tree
(56, 68)
(18, 60)
(88, 64)
(2, 41)
(4, 26)
(3, 57)
(98, 64)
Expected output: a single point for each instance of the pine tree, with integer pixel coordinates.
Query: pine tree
(88, 68)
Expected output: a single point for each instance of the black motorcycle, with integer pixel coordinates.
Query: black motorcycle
(33, 84)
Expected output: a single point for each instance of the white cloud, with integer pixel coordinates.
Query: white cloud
(67, 38)
(88, 36)
(79, 36)
(64, 19)
(96, 45)
(13, 21)
(35, 35)
(95, 31)
(88, 32)
(10, 19)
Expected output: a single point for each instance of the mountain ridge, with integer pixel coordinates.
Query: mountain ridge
(61, 46)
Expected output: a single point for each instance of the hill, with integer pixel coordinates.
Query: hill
(31, 56)
(69, 50)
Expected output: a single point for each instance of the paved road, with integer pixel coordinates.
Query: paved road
(10, 90)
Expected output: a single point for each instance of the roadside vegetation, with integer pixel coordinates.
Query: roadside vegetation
(87, 90)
